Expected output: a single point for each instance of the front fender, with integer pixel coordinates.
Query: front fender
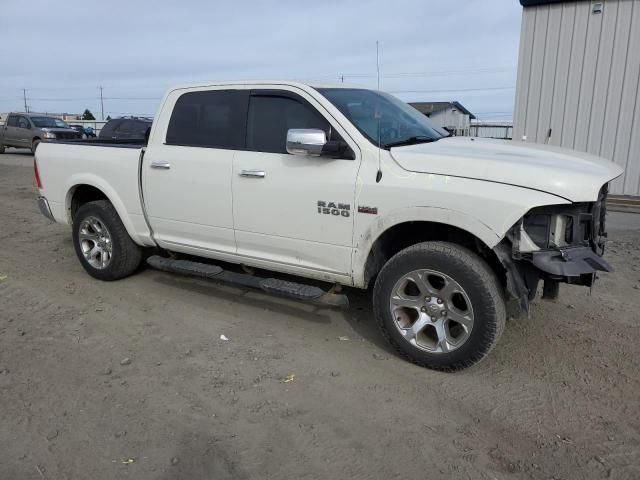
(453, 218)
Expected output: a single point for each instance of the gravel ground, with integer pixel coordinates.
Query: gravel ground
(131, 380)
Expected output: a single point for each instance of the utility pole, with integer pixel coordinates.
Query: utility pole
(342, 78)
(101, 102)
(24, 96)
(378, 63)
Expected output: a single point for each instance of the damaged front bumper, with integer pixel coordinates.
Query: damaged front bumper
(575, 265)
(555, 244)
(570, 262)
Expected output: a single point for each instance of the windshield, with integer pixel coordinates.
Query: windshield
(382, 118)
(48, 122)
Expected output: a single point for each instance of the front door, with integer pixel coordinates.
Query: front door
(187, 171)
(291, 209)
(16, 131)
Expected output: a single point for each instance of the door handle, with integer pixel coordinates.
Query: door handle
(161, 165)
(252, 173)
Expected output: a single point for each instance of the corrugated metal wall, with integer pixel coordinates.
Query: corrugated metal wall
(578, 75)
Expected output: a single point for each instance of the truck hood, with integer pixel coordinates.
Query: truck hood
(575, 176)
(59, 130)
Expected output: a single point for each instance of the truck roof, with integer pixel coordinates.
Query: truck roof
(290, 83)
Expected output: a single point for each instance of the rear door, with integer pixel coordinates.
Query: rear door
(291, 209)
(12, 134)
(187, 170)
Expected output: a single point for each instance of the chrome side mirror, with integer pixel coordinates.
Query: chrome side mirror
(306, 141)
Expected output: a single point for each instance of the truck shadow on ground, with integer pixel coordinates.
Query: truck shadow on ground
(358, 315)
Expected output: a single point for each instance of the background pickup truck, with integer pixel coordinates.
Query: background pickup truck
(27, 130)
(345, 185)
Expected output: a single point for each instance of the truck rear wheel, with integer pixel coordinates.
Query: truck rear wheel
(102, 244)
(439, 305)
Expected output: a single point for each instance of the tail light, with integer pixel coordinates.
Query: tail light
(36, 173)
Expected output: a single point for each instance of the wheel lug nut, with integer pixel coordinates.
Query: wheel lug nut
(424, 309)
(444, 313)
(439, 301)
(427, 299)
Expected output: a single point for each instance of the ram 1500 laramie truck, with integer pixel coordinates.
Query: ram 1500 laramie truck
(345, 185)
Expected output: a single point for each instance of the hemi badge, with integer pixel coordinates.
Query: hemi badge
(371, 210)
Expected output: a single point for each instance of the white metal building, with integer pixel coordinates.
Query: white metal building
(578, 80)
(450, 115)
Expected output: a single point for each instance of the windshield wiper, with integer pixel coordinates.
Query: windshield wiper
(410, 141)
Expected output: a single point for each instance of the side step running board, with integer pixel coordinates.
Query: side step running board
(283, 288)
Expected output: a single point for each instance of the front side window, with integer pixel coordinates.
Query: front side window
(23, 122)
(272, 114)
(213, 118)
(385, 120)
(49, 122)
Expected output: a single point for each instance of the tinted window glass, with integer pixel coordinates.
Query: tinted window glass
(381, 117)
(12, 121)
(140, 128)
(109, 128)
(214, 118)
(125, 128)
(23, 122)
(270, 116)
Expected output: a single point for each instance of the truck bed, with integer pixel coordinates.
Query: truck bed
(65, 166)
(104, 142)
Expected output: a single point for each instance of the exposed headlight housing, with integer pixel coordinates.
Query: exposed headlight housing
(559, 226)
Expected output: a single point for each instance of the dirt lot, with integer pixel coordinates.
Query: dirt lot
(558, 398)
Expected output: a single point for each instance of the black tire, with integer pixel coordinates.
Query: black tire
(34, 145)
(125, 255)
(480, 285)
(1, 149)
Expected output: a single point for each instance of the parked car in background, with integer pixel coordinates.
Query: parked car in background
(126, 128)
(85, 131)
(27, 130)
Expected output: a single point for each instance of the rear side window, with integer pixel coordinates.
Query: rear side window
(109, 128)
(214, 118)
(272, 115)
(125, 128)
(140, 128)
(12, 121)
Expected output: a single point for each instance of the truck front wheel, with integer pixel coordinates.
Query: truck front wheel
(439, 305)
(102, 244)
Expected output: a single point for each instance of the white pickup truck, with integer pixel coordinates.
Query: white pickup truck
(345, 185)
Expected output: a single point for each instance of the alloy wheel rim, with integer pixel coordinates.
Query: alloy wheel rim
(431, 311)
(95, 243)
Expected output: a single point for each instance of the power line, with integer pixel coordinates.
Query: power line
(454, 90)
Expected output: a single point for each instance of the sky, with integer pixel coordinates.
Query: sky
(429, 50)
